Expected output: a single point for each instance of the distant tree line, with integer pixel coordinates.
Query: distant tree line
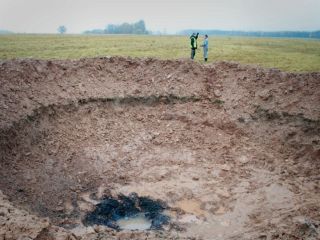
(5, 32)
(124, 28)
(62, 29)
(281, 34)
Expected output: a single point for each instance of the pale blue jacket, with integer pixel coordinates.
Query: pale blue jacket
(205, 46)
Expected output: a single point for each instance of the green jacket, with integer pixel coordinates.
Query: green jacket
(193, 41)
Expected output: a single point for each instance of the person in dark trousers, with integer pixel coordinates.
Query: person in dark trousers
(194, 44)
(205, 46)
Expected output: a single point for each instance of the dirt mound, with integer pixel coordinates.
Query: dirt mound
(232, 150)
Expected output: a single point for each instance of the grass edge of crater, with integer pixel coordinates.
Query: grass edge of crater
(292, 55)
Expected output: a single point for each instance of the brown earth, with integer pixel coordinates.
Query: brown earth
(234, 150)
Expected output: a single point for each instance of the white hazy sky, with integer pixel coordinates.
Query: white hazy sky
(44, 16)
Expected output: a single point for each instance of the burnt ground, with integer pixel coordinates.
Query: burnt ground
(232, 150)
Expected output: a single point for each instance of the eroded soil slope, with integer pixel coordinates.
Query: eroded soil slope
(233, 150)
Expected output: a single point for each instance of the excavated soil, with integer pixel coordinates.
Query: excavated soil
(232, 151)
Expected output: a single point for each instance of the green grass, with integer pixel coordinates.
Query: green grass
(294, 55)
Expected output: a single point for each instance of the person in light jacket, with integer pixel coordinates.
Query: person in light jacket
(205, 46)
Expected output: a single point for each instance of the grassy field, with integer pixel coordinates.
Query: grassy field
(294, 55)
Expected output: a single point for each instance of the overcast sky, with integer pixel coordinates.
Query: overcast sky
(44, 16)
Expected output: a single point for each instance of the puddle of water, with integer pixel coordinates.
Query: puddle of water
(137, 222)
(128, 213)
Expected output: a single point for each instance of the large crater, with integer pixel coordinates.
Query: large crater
(218, 147)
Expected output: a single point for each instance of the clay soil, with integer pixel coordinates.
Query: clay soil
(233, 150)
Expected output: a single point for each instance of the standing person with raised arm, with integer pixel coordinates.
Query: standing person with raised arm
(194, 44)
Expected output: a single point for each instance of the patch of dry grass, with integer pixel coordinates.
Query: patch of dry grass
(295, 55)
